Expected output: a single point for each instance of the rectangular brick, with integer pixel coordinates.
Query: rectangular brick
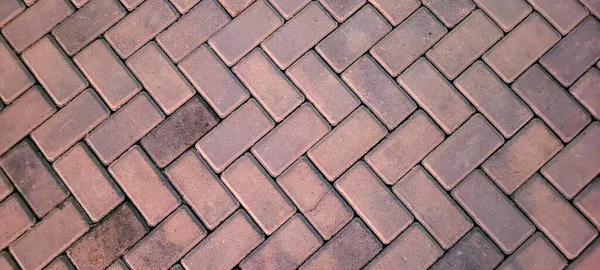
(536, 254)
(234, 7)
(87, 24)
(298, 35)
(588, 259)
(140, 26)
(268, 84)
(593, 6)
(15, 219)
(201, 188)
(89, 182)
(500, 105)
(131, 4)
(65, 224)
(473, 251)
(564, 15)
(373, 202)
(35, 22)
(411, 39)
(522, 156)
(38, 106)
(6, 187)
(226, 246)
(413, 249)
(554, 216)
(287, 8)
(10, 9)
(588, 202)
(183, 6)
(129, 124)
(287, 248)
(342, 9)
(446, 105)
(234, 135)
(315, 198)
(432, 207)
(352, 248)
(353, 38)
(34, 179)
(108, 240)
(463, 151)
(145, 185)
(54, 70)
(193, 29)
(507, 14)
(168, 242)
(107, 74)
(493, 211)
(450, 12)
(464, 44)
(290, 139)
(12, 67)
(346, 143)
(7, 262)
(245, 32)
(118, 265)
(213, 80)
(258, 194)
(587, 91)
(396, 11)
(323, 87)
(405, 147)
(60, 263)
(514, 53)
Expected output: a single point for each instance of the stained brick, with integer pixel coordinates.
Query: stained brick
(322, 87)
(129, 124)
(10, 9)
(346, 143)
(89, 182)
(183, 6)
(108, 240)
(535, 254)
(235, 7)
(11, 67)
(7, 262)
(514, 53)
(245, 32)
(15, 219)
(140, 26)
(473, 251)
(315, 198)
(54, 70)
(587, 91)
(450, 12)
(201, 188)
(353, 38)
(396, 11)
(60, 263)
(145, 186)
(588, 202)
(551, 103)
(87, 24)
(593, 6)
(446, 106)
(564, 15)
(507, 14)
(193, 29)
(35, 22)
(6, 187)
(498, 103)
(287, 8)
(522, 156)
(589, 259)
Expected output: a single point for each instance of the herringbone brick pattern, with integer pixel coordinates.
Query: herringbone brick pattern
(283, 134)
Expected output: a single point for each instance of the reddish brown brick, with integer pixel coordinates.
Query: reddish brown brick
(168, 242)
(396, 11)
(60, 263)
(291, 139)
(589, 259)
(89, 182)
(554, 216)
(346, 143)
(564, 15)
(10, 9)
(287, 248)
(413, 249)
(257, 192)
(118, 265)
(131, 4)
(404, 147)
(353, 38)
(65, 224)
(236, 134)
(522, 156)
(15, 219)
(342, 9)
(140, 26)
(408, 41)
(322, 87)
(482, 87)
(35, 22)
(217, 85)
(587, 91)
(588, 202)
(108, 240)
(473, 251)
(593, 6)
(535, 254)
(226, 246)
(575, 53)
(87, 24)
(193, 29)
(11, 67)
(287, 8)
(493, 211)
(129, 124)
(235, 7)
(518, 50)
(201, 188)
(38, 107)
(352, 248)
(54, 70)
(7, 262)
(446, 106)
(507, 14)
(6, 187)
(463, 151)
(245, 32)
(373, 202)
(183, 6)
(450, 12)
(315, 198)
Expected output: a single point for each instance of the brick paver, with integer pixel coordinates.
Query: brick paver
(6, 187)
(60, 263)
(15, 219)
(287, 8)
(11, 67)
(587, 91)
(507, 14)
(474, 250)
(395, 11)
(589, 259)
(588, 202)
(536, 254)
(562, 14)
(10, 9)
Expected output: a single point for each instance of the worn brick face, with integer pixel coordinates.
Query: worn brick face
(10, 9)
(564, 15)
(507, 14)
(450, 12)
(60, 263)
(587, 91)
(15, 219)
(287, 8)
(11, 67)
(234, 7)
(395, 11)
(536, 254)
(6, 187)
(342, 9)
(588, 202)
(589, 259)
(474, 250)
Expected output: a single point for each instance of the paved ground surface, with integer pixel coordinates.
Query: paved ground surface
(330, 134)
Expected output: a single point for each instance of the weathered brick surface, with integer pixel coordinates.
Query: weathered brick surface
(588, 202)
(535, 254)
(10, 9)
(474, 250)
(131, 4)
(287, 8)
(589, 259)
(15, 219)
(60, 263)
(450, 12)
(234, 7)
(593, 6)
(342, 9)
(395, 11)
(587, 91)
(564, 15)
(507, 14)
(183, 6)
(11, 67)
(118, 265)
(6, 187)
(7, 261)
